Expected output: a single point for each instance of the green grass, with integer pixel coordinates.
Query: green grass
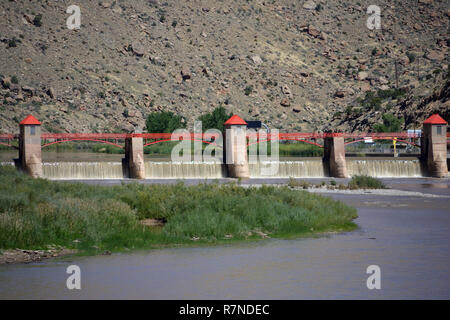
(36, 213)
(161, 148)
(365, 182)
(296, 149)
(285, 149)
(300, 150)
(291, 149)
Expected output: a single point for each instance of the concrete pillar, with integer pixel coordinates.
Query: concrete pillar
(134, 157)
(334, 155)
(434, 146)
(235, 151)
(30, 156)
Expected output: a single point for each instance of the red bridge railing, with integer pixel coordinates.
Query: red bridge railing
(281, 135)
(311, 138)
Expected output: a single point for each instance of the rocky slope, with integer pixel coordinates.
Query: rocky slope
(296, 65)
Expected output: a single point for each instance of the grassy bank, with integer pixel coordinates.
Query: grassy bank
(356, 182)
(36, 213)
(365, 182)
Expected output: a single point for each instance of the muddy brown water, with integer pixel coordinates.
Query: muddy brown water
(407, 237)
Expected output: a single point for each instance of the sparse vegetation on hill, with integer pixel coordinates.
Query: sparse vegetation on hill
(390, 124)
(296, 65)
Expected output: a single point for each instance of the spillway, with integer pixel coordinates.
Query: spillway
(305, 168)
(385, 168)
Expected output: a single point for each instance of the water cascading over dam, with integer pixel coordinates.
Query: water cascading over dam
(113, 170)
(385, 168)
(310, 168)
(82, 170)
(305, 168)
(186, 170)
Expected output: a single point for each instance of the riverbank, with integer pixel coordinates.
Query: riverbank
(35, 213)
(397, 234)
(15, 256)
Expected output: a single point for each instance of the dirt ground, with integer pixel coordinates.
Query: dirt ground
(27, 256)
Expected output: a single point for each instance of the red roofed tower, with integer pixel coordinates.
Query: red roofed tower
(235, 151)
(235, 120)
(30, 157)
(30, 120)
(434, 146)
(435, 119)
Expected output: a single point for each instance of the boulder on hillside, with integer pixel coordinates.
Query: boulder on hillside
(137, 48)
(436, 55)
(285, 102)
(6, 82)
(316, 33)
(286, 90)
(309, 5)
(256, 60)
(362, 75)
(340, 94)
(105, 4)
(28, 90)
(51, 93)
(186, 73)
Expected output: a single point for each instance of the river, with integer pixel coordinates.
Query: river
(408, 237)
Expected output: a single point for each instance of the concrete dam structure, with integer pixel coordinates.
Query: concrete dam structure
(235, 161)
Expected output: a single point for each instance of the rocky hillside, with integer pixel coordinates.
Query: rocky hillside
(296, 65)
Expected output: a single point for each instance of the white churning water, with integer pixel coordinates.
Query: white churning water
(296, 169)
(310, 168)
(161, 170)
(82, 170)
(384, 168)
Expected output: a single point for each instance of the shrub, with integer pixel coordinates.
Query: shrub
(12, 43)
(411, 56)
(293, 183)
(164, 122)
(391, 93)
(248, 90)
(14, 79)
(37, 20)
(390, 124)
(215, 119)
(373, 100)
(365, 182)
